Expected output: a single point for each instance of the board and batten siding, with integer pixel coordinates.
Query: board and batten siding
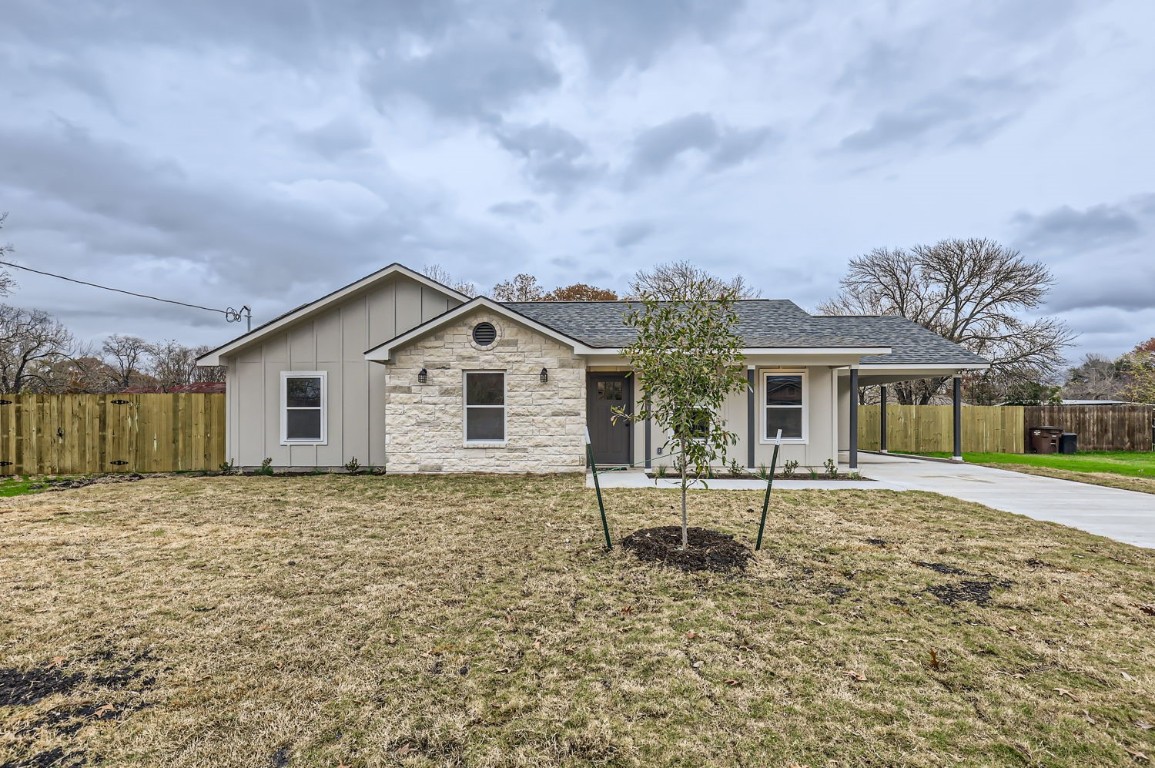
(818, 447)
(333, 340)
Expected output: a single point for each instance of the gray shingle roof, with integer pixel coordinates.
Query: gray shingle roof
(773, 323)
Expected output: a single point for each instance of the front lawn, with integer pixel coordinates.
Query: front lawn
(1130, 470)
(371, 621)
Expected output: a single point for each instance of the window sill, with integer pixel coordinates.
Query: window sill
(304, 442)
(785, 441)
(484, 443)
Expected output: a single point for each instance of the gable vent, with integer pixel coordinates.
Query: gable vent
(484, 334)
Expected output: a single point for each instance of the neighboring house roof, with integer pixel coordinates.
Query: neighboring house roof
(277, 323)
(1096, 402)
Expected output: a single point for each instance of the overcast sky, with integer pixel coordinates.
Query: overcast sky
(265, 152)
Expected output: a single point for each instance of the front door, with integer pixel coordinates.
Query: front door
(610, 441)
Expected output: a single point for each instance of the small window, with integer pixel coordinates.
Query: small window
(699, 424)
(484, 406)
(303, 407)
(785, 406)
(611, 390)
(484, 334)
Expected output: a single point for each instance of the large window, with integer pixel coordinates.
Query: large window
(785, 405)
(303, 407)
(484, 406)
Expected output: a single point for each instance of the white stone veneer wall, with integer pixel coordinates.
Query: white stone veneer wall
(545, 423)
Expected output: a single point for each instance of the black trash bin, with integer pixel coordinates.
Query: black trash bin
(1045, 439)
(1069, 442)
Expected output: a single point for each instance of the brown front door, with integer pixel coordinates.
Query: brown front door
(610, 441)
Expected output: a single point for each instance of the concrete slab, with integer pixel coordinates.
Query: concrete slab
(1127, 516)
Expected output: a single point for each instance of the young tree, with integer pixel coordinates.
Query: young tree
(683, 280)
(687, 359)
(522, 287)
(1138, 368)
(968, 291)
(580, 292)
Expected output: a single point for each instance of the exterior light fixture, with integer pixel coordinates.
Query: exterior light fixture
(422, 376)
(544, 376)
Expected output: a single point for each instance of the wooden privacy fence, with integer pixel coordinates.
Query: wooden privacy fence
(1099, 427)
(930, 428)
(1004, 428)
(86, 434)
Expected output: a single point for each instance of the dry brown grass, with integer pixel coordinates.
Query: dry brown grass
(1141, 484)
(376, 621)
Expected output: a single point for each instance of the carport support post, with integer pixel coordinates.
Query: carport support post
(853, 418)
(882, 420)
(957, 418)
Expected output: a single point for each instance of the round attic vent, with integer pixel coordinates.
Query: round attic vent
(484, 334)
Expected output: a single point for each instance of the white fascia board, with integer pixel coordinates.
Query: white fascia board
(883, 368)
(214, 356)
(380, 353)
(780, 351)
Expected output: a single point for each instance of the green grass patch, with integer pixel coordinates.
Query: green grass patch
(18, 486)
(1127, 463)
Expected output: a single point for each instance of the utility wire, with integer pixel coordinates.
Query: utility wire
(231, 315)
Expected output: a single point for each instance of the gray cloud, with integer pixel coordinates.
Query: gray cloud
(337, 138)
(1077, 231)
(967, 112)
(555, 160)
(527, 210)
(616, 35)
(473, 73)
(657, 147)
(632, 233)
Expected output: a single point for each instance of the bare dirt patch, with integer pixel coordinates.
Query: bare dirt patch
(708, 550)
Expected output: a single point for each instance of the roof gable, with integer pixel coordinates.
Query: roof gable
(327, 301)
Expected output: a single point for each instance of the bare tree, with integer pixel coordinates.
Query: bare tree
(1096, 378)
(172, 364)
(207, 373)
(6, 282)
(442, 275)
(522, 287)
(968, 291)
(127, 357)
(681, 280)
(31, 342)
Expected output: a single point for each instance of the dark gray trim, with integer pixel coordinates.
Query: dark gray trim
(751, 417)
(957, 403)
(853, 419)
(882, 420)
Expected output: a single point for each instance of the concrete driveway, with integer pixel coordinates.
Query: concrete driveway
(1127, 516)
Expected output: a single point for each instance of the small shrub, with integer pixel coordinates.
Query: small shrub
(855, 476)
(352, 466)
(736, 470)
(831, 468)
(228, 467)
(266, 467)
(813, 474)
(763, 473)
(789, 468)
(661, 470)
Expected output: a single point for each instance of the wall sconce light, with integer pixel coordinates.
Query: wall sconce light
(544, 376)
(422, 376)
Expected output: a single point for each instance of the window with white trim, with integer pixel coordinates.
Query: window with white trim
(784, 405)
(303, 407)
(484, 406)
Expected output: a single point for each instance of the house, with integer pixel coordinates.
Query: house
(398, 370)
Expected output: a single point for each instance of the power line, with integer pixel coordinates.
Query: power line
(231, 315)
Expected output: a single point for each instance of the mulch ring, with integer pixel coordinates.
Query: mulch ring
(708, 550)
(80, 482)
